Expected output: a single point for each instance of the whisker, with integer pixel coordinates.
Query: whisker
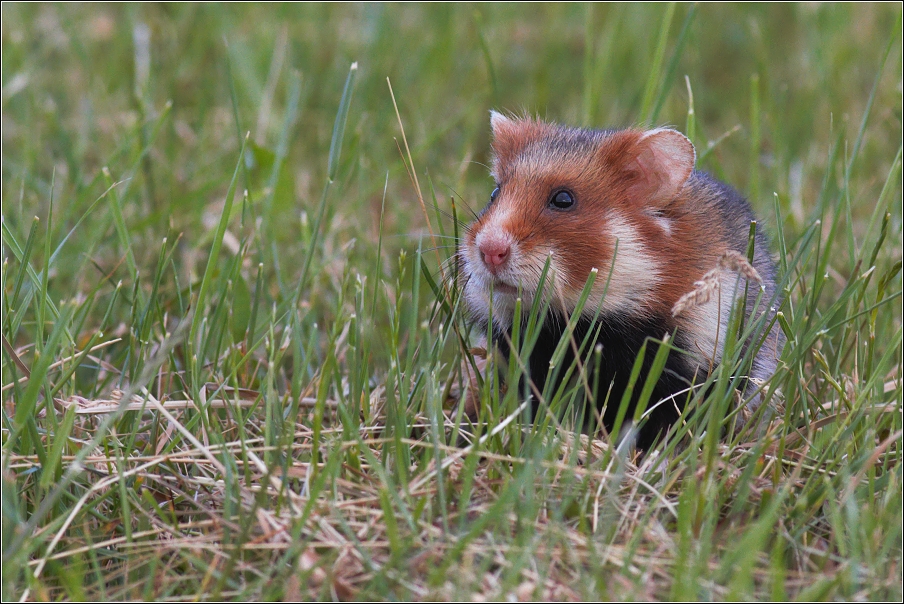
(440, 247)
(449, 215)
(461, 198)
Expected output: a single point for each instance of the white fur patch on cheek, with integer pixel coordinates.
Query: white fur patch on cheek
(471, 280)
(555, 284)
(634, 275)
(477, 284)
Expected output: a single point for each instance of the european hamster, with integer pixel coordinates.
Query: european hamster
(579, 199)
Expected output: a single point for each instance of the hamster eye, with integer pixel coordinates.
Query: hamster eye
(494, 194)
(561, 200)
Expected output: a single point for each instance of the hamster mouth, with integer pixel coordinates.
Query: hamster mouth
(501, 287)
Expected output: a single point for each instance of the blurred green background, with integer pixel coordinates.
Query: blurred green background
(84, 85)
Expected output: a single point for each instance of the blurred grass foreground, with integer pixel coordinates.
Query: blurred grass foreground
(231, 346)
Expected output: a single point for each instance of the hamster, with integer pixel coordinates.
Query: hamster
(669, 244)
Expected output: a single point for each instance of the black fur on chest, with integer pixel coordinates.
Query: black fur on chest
(620, 342)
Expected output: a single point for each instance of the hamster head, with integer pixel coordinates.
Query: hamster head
(581, 200)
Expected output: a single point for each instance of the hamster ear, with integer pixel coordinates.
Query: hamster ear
(510, 135)
(499, 122)
(663, 160)
(505, 137)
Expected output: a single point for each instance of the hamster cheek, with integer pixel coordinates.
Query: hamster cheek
(482, 307)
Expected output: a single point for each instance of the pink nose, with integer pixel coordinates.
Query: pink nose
(495, 253)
